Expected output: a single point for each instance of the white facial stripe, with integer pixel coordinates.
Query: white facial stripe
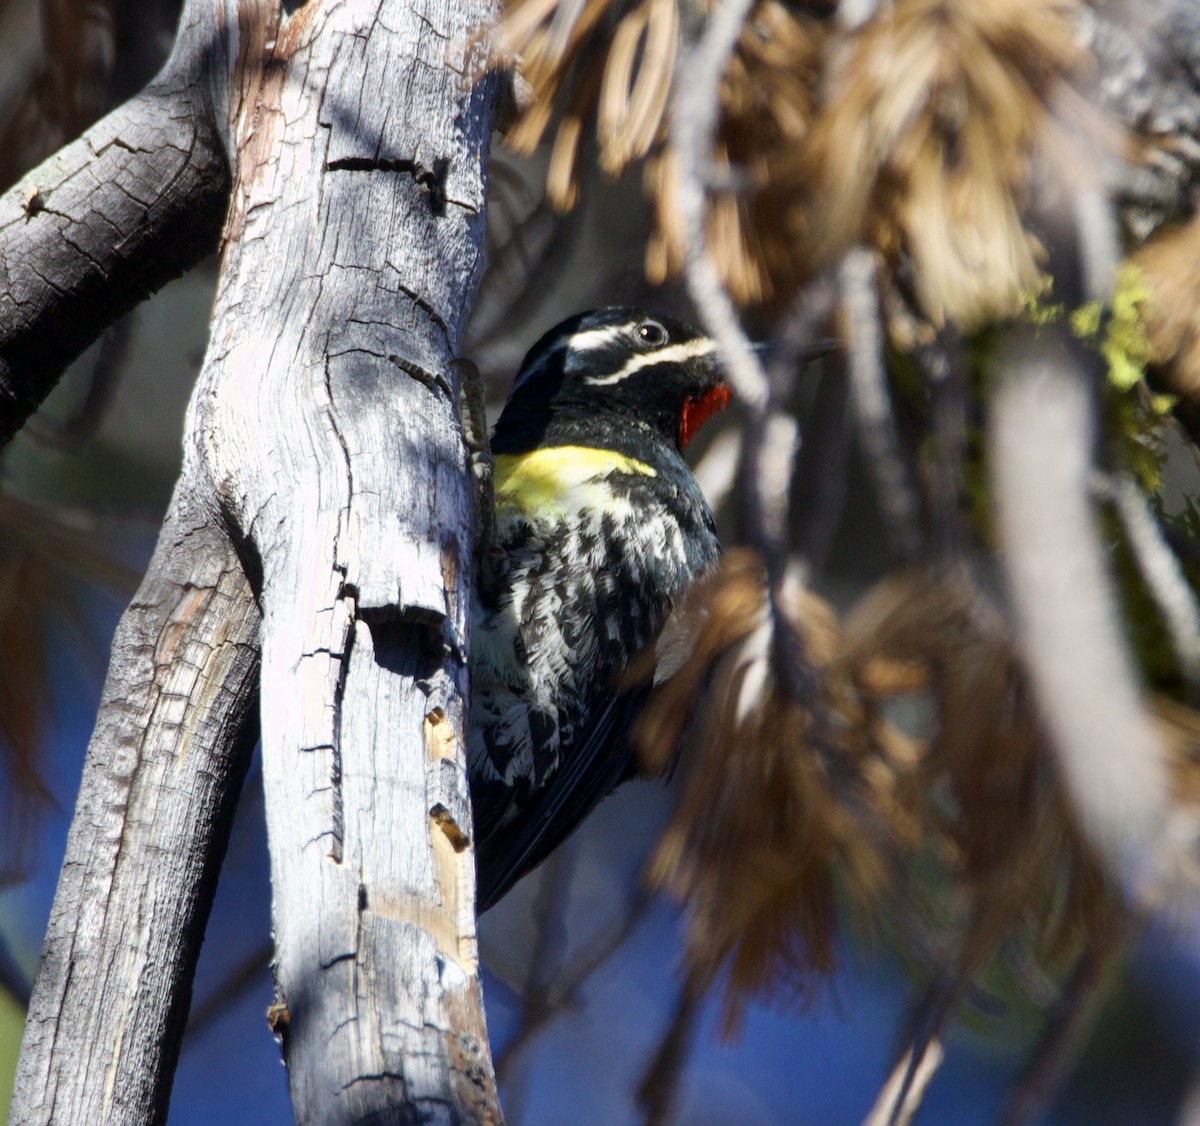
(586, 340)
(672, 354)
(590, 338)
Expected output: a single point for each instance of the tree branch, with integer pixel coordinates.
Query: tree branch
(901, 1096)
(326, 417)
(1112, 759)
(324, 431)
(1161, 572)
(160, 785)
(102, 224)
(1070, 1020)
(872, 403)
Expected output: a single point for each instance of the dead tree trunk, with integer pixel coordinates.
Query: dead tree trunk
(324, 471)
(327, 420)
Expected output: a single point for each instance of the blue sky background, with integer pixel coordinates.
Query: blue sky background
(821, 1066)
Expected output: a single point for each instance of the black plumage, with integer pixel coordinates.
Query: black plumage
(599, 527)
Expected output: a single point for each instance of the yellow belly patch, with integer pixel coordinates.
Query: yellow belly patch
(560, 479)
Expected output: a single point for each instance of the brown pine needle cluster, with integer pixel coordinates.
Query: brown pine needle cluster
(613, 62)
(774, 787)
(985, 791)
(1179, 726)
(755, 224)
(796, 784)
(609, 61)
(923, 148)
(1168, 273)
(919, 133)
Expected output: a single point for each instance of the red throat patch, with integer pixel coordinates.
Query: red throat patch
(696, 412)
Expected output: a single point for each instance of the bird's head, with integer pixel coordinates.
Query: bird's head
(619, 364)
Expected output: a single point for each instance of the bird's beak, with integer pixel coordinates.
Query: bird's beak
(814, 350)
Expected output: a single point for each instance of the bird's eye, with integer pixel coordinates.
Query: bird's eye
(652, 334)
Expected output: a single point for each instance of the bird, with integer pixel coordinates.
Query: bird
(599, 527)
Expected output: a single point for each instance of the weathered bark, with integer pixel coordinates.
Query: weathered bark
(327, 416)
(160, 786)
(103, 223)
(324, 431)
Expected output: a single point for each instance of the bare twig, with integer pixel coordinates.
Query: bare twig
(1068, 1025)
(944, 483)
(231, 988)
(797, 341)
(769, 438)
(1160, 569)
(1111, 757)
(659, 1088)
(901, 1096)
(872, 404)
(821, 472)
(771, 453)
(561, 993)
(769, 446)
(1099, 240)
(716, 471)
(546, 959)
(693, 132)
